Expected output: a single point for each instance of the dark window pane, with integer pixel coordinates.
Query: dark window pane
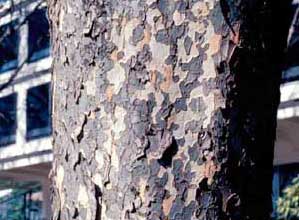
(39, 39)
(292, 62)
(38, 112)
(291, 74)
(8, 119)
(9, 46)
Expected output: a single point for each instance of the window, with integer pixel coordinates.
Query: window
(291, 74)
(3, 1)
(38, 112)
(292, 53)
(9, 47)
(38, 39)
(8, 119)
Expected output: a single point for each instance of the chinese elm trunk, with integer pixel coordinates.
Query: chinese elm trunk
(165, 109)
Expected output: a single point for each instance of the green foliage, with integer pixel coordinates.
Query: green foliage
(18, 205)
(12, 208)
(288, 203)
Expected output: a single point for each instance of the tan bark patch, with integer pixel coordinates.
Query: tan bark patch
(236, 37)
(109, 93)
(191, 194)
(59, 177)
(209, 170)
(167, 204)
(143, 190)
(171, 120)
(59, 184)
(147, 37)
(153, 77)
(167, 78)
(113, 55)
(214, 44)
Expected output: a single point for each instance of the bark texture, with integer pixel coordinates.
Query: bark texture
(165, 109)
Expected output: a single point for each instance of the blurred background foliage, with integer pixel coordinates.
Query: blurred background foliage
(288, 202)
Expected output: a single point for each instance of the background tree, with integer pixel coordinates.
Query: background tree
(165, 109)
(288, 203)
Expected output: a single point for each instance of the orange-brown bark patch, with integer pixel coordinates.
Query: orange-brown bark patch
(109, 93)
(167, 78)
(214, 44)
(167, 204)
(113, 55)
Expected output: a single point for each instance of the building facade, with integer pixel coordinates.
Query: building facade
(286, 156)
(25, 120)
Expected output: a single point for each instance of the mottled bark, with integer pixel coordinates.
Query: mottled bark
(165, 109)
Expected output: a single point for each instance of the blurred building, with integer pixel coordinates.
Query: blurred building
(286, 157)
(25, 122)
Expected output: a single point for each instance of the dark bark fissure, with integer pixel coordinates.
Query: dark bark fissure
(166, 159)
(98, 195)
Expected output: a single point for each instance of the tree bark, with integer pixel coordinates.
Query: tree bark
(165, 109)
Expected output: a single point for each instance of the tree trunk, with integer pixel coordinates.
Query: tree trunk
(165, 109)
